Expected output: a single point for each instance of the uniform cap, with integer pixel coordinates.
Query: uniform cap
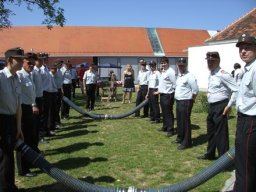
(152, 63)
(212, 55)
(246, 39)
(15, 52)
(42, 55)
(31, 55)
(182, 61)
(142, 62)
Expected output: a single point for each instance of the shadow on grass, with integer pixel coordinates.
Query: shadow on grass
(102, 179)
(199, 140)
(73, 147)
(74, 163)
(195, 127)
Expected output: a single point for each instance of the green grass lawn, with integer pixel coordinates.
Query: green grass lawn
(124, 152)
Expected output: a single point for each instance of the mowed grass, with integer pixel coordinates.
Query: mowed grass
(125, 152)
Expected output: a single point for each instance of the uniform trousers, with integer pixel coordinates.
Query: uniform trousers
(140, 98)
(153, 101)
(39, 119)
(91, 94)
(245, 149)
(50, 111)
(166, 102)
(58, 106)
(64, 106)
(8, 130)
(217, 129)
(30, 134)
(183, 113)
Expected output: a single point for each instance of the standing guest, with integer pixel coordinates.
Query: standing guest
(10, 117)
(128, 85)
(90, 83)
(67, 89)
(29, 107)
(238, 73)
(222, 90)
(143, 88)
(166, 88)
(245, 142)
(153, 99)
(185, 95)
(80, 76)
(59, 83)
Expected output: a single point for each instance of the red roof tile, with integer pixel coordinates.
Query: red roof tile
(175, 42)
(99, 41)
(245, 24)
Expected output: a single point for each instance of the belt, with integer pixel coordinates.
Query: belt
(244, 115)
(219, 102)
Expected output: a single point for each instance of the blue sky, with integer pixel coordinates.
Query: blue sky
(185, 14)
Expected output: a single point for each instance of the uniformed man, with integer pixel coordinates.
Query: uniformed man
(185, 94)
(153, 99)
(222, 90)
(166, 88)
(245, 143)
(10, 117)
(143, 88)
(29, 107)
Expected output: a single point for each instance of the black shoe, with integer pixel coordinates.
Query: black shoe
(182, 147)
(161, 129)
(205, 157)
(170, 134)
(176, 141)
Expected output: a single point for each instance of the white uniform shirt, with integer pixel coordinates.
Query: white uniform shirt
(186, 86)
(37, 79)
(221, 86)
(45, 77)
(143, 77)
(28, 91)
(10, 92)
(153, 80)
(246, 97)
(167, 81)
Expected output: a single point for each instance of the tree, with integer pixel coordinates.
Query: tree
(54, 14)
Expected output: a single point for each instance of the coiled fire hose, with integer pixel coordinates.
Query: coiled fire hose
(76, 185)
(106, 116)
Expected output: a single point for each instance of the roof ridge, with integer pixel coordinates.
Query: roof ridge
(234, 22)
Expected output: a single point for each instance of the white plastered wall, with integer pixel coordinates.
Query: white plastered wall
(197, 64)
